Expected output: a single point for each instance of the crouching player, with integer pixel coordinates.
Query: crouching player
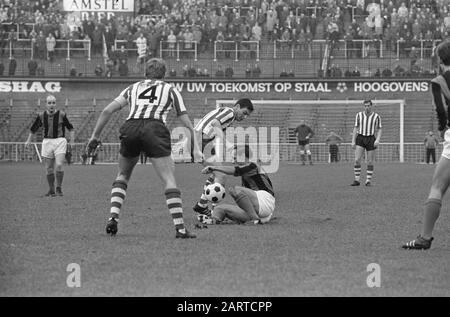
(211, 130)
(255, 199)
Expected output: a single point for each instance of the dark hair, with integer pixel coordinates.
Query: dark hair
(368, 101)
(443, 51)
(155, 68)
(245, 103)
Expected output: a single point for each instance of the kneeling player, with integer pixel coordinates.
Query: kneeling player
(255, 199)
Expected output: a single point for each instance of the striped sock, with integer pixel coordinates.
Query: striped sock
(118, 194)
(357, 170)
(173, 200)
(369, 173)
(203, 202)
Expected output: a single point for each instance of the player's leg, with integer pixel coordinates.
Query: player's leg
(60, 155)
(246, 199)
(440, 184)
(302, 153)
(232, 212)
(120, 184)
(359, 152)
(164, 167)
(433, 205)
(427, 156)
(370, 167)
(209, 152)
(59, 172)
(49, 164)
(433, 155)
(308, 152)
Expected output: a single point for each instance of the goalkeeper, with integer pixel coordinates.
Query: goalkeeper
(255, 199)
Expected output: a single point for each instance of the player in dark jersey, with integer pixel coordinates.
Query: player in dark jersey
(255, 199)
(210, 130)
(145, 131)
(304, 134)
(54, 144)
(441, 178)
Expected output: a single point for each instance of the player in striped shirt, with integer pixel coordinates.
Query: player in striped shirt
(149, 102)
(255, 199)
(210, 130)
(54, 144)
(366, 138)
(440, 88)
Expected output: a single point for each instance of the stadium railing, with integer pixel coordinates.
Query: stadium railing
(63, 47)
(288, 152)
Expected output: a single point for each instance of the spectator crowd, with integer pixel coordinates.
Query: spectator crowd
(416, 23)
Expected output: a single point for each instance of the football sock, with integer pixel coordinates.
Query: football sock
(369, 173)
(357, 170)
(174, 203)
(51, 181)
(59, 178)
(309, 157)
(203, 201)
(432, 211)
(118, 193)
(243, 201)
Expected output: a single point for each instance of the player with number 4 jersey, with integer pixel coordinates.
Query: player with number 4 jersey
(149, 102)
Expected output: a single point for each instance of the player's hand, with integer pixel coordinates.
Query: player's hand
(198, 156)
(353, 146)
(27, 145)
(207, 170)
(376, 143)
(92, 145)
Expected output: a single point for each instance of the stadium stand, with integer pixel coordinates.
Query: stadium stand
(369, 34)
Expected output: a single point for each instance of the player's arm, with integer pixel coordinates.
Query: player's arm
(355, 131)
(439, 105)
(36, 125)
(379, 132)
(228, 170)
(231, 170)
(193, 137)
(219, 135)
(311, 134)
(106, 114)
(69, 126)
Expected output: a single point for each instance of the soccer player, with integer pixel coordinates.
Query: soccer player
(54, 144)
(333, 141)
(255, 199)
(366, 137)
(210, 130)
(441, 178)
(144, 130)
(304, 133)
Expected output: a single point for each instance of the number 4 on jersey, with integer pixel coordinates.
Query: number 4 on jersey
(152, 97)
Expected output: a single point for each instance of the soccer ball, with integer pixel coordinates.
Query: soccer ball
(215, 192)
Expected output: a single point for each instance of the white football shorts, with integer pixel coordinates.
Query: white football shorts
(53, 147)
(266, 205)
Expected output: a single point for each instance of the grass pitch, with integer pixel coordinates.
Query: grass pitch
(324, 236)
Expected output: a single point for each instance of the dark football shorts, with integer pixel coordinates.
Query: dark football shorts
(303, 142)
(150, 136)
(367, 142)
